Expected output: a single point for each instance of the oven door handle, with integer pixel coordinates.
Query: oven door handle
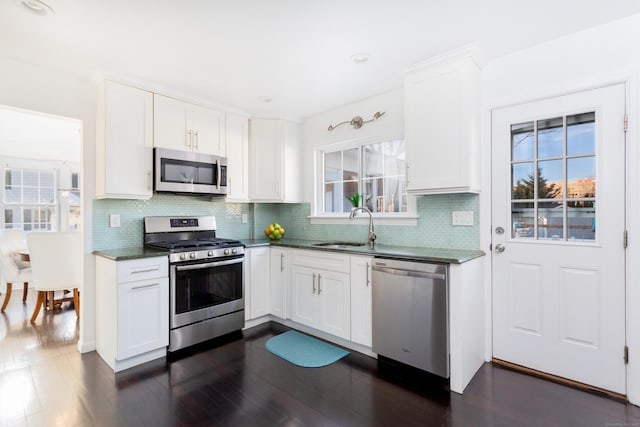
(209, 264)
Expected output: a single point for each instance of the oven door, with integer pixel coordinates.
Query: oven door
(204, 290)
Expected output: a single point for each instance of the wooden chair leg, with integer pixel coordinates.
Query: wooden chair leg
(7, 297)
(39, 303)
(76, 301)
(24, 292)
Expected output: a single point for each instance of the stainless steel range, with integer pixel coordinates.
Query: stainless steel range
(206, 281)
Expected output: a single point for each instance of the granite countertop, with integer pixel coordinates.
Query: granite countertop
(123, 254)
(442, 255)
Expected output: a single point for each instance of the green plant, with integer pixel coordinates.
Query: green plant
(355, 200)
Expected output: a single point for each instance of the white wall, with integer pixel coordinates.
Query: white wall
(584, 60)
(315, 133)
(49, 91)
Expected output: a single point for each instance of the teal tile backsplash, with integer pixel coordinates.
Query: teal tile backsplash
(433, 228)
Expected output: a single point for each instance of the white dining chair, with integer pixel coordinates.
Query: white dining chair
(56, 262)
(12, 268)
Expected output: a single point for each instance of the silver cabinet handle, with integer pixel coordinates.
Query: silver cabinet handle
(500, 248)
(368, 274)
(151, 285)
(188, 141)
(282, 262)
(314, 283)
(146, 270)
(319, 287)
(195, 146)
(148, 180)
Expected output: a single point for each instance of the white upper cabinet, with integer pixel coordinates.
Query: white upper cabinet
(124, 142)
(275, 154)
(237, 143)
(442, 119)
(183, 126)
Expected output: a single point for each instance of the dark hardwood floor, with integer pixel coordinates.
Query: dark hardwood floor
(234, 381)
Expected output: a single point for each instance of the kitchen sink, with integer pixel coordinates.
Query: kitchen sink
(339, 245)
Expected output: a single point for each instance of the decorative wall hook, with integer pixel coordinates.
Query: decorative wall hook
(357, 121)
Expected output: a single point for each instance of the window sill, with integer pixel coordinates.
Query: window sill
(363, 218)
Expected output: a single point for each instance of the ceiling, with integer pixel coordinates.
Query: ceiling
(295, 52)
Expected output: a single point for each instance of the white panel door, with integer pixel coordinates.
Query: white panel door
(304, 295)
(361, 300)
(334, 303)
(258, 262)
(208, 126)
(171, 123)
(558, 222)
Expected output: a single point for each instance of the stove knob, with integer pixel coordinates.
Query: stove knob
(210, 253)
(226, 251)
(192, 255)
(234, 251)
(183, 257)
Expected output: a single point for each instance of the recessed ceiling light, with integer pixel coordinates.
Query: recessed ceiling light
(38, 6)
(360, 58)
(265, 99)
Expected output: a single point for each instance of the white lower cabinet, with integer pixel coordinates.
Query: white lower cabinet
(321, 297)
(280, 267)
(257, 294)
(132, 321)
(361, 304)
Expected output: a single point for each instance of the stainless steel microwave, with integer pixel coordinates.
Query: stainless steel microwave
(177, 171)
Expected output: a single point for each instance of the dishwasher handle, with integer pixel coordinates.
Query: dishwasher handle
(411, 273)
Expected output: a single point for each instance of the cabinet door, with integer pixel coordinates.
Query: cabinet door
(303, 295)
(143, 317)
(361, 300)
(266, 157)
(258, 281)
(441, 127)
(172, 123)
(237, 145)
(334, 309)
(128, 141)
(279, 282)
(208, 126)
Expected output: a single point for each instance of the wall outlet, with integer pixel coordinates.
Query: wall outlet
(114, 220)
(245, 219)
(462, 217)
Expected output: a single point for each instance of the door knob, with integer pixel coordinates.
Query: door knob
(500, 248)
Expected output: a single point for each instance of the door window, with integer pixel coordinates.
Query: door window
(553, 179)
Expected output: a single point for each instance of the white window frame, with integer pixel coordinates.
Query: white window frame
(383, 218)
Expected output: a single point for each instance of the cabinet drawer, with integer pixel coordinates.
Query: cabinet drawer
(142, 269)
(322, 260)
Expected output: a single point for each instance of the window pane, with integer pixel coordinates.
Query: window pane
(46, 195)
(349, 189)
(333, 197)
(74, 218)
(12, 194)
(522, 141)
(332, 166)
(581, 220)
(394, 158)
(550, 179)
(581, 180)
(581, 134)
(373, 194)
(350, 159)
(550, 137)
(373, 164)
(522, 181)
(550, 219)
(30, 194)
(46, 179)
(74, 198)
(395, 195)
(75, 181)
(13, 215)
(30, 178)
(13, 177)
(522, 220)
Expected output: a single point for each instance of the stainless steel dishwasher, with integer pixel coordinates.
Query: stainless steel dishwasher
(410, 314)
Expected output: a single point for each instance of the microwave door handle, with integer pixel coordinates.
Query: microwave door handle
(218, 177)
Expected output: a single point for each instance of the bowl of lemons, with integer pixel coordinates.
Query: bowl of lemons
(274, 231)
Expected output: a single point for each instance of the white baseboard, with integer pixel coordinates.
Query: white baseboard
(86, 346)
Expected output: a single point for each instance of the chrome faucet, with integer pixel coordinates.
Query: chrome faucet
(372, 234)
